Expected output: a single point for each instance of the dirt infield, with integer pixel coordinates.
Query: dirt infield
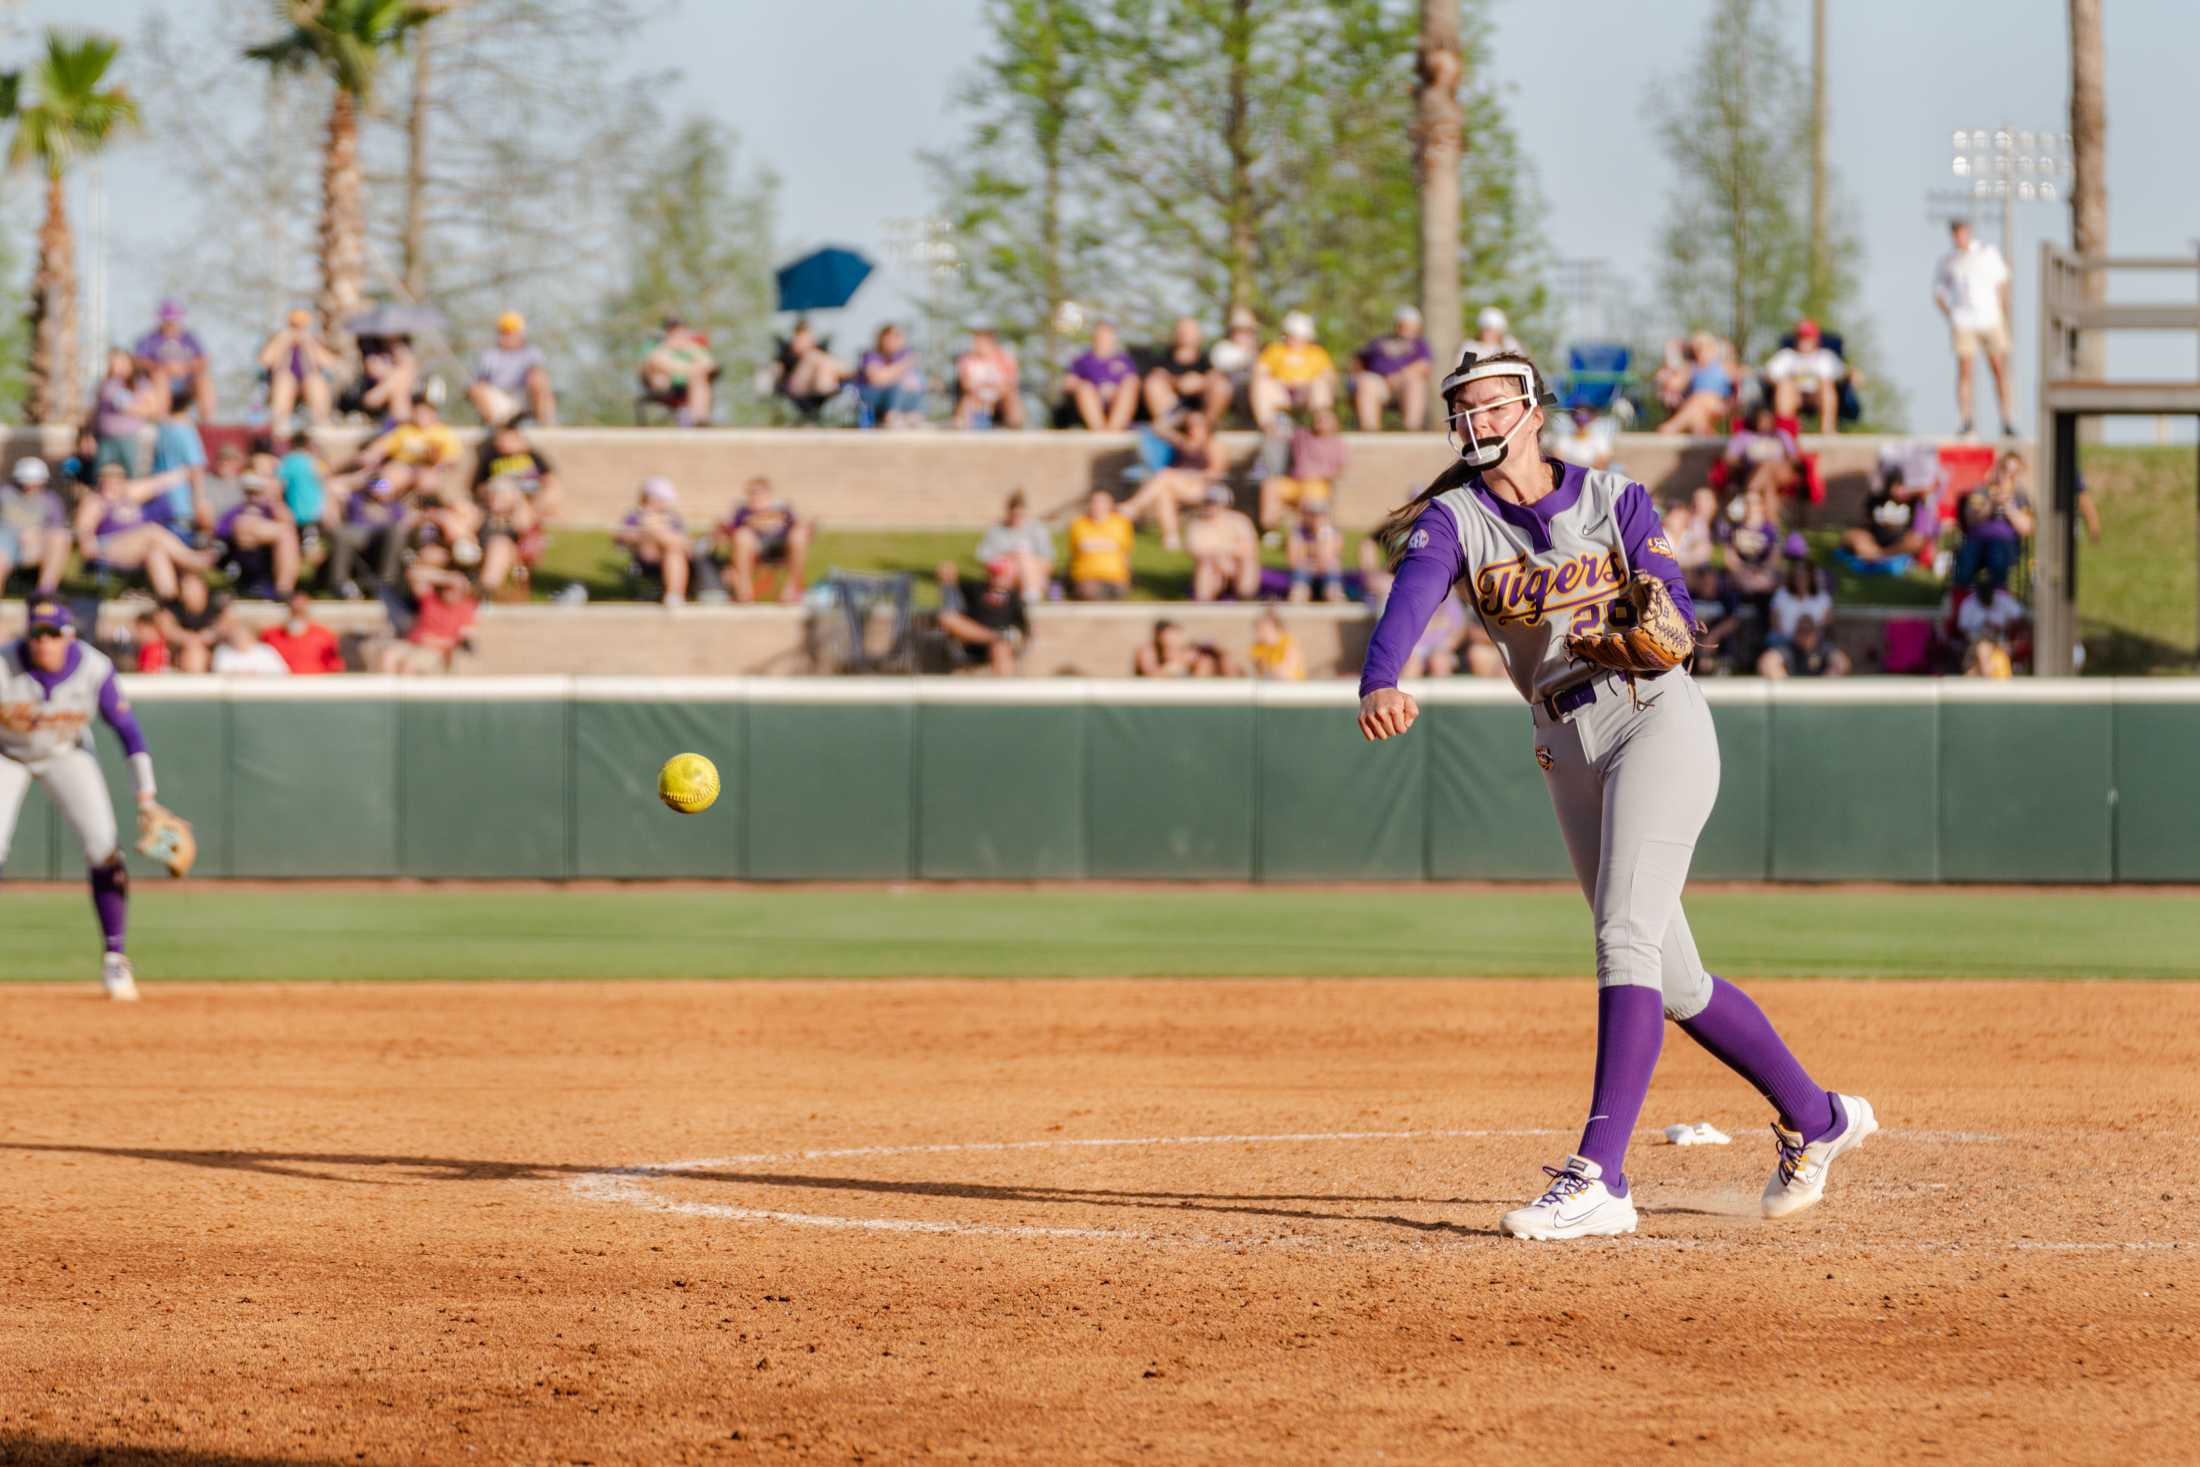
(1038, 1222)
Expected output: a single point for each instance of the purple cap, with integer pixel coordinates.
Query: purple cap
(171, 310)
(47, 612)
(1796, 548)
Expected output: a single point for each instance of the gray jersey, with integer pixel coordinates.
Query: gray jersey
(1535, 574)
(42, 714)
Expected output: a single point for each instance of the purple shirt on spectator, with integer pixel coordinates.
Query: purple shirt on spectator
(116, 415)
(176, 356)
(877, 359)
(1103, 371)
(374, 511)
(1387, 356)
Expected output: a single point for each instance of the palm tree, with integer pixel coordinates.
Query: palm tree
(65, 118)
(348, 40)
(1438, 140)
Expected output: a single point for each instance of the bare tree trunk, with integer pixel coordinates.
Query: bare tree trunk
(52, 396)
(414, 244)
(343, 246)
(1819, 283)
(2089, 185)
(1438, 144)
(1237, 135)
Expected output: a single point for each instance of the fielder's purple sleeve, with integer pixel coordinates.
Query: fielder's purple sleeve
(1638, 525)
(119, 717)
(1433, 562)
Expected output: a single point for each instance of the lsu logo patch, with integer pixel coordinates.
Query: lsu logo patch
(1660, 544)
(1543, 756)
(1418, 540)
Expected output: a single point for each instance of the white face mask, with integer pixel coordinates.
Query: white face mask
(1477, 453)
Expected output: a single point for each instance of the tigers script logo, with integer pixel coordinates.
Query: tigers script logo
(1516, 591)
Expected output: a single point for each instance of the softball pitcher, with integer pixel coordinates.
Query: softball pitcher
(1571, 575)
(51, 685)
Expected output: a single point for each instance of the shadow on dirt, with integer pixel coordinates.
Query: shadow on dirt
(33, 1451)
(313, 1166)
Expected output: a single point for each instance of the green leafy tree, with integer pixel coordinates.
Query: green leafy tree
(64, 115)
(699, 247)
(348, 41)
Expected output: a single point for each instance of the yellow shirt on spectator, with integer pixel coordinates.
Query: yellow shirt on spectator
(1100, 550)
(1279, 658)
(1295, 363)
(423, 448)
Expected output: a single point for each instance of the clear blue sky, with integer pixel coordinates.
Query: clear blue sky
(839, 95)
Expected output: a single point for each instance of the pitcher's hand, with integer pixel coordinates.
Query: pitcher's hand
(1387, 713)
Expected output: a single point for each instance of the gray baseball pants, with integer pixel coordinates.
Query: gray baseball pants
(72, 777)
(1632, 788)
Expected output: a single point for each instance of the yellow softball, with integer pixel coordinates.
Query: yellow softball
(688, 783)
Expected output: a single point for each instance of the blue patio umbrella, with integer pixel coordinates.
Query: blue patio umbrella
(824, 280)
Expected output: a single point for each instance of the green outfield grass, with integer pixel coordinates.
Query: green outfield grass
(210, 932)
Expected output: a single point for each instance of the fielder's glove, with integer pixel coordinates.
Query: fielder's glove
(1644, 630)
(166, 837)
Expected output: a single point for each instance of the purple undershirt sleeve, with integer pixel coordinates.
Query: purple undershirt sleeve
(119, 717)
(1433, 562)
(1638, 525)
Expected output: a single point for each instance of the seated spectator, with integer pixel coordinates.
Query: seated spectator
(1592, 441)
(124, 407)
(1171, 653)
(259, 539)
(114, 533)
(508, 455)
(1294, 375)
(803, 372)
(388, 380)
(1394, 370)
(423, 441)
(79, 472)
(512, 377)
(1805, 654)
(1100, 542)
(191, 630)
(1688, 528)
(1101, 387)
(678, 372)
(148, 648)
(1710, 391)
(299, 367)
(517, 493)
(1276, 654)
(1804, 375)
(762, 530)
(1900, 525)
(239, 653)
(305, 488)
(443, 608)
(1996, 629)
(988, 383)
(1719, 607)
(1317, 463)
(1186, 376)
(1022, 539)
(306, 646)
(1671, 379)
(1996, 517)
(1493, 333)
(370, 536)
(1763, 456)
(1195, 467)
(1234, 355)
(890, 383)
(34, 526)
(654, 535)
(1750, 530)
(1805, 594)
(1225, 548)
(1315, 548)
(984, 620)
(219, 492)
(170, 354)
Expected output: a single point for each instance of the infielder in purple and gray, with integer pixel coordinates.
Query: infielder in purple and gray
(1539, 549)
(51, 688)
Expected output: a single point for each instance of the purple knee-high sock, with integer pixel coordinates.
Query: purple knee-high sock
(111, 899)
(1630, 1027)
(1739, 1035)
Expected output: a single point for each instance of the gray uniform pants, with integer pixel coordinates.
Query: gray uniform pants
(1632, 789)
(72, 776)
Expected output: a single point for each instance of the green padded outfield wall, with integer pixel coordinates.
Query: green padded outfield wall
(967, 779)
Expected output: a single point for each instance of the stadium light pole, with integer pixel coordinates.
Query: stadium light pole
(926, 242)
(2012, 166)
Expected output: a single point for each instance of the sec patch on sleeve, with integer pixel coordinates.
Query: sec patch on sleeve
(1660, 544)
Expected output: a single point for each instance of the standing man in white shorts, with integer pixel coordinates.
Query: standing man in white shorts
(51, 689)
(1971, 287)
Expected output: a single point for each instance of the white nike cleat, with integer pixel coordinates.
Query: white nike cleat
(115, 976)
(1576, 1205)
(1800, 1178)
